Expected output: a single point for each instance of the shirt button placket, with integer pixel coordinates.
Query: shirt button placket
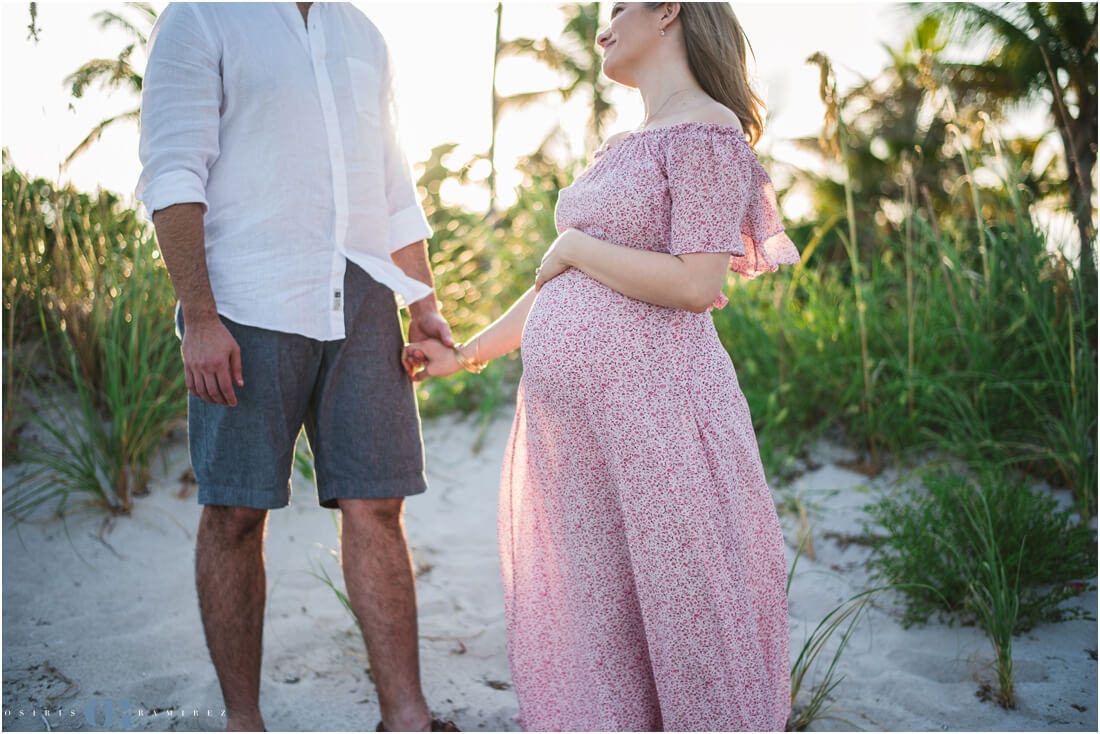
(339, 178)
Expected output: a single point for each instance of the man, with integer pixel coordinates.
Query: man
(287, 218)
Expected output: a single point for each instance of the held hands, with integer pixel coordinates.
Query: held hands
(424, 325)
(430, 343)
(434, 359)
(430, 353)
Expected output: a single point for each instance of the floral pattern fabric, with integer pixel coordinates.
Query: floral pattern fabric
(643, 563)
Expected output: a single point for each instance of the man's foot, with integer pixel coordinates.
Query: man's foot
(436, 725)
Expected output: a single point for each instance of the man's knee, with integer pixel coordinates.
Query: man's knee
(373, 512)
(227, 523)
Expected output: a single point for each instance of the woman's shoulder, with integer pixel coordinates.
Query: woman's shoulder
(717, 114)
(707, 120)
(708, 116)
(712, 126)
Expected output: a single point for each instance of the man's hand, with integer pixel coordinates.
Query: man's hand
(425, 321)
(424, 324)
(430, 325)
(211, 361)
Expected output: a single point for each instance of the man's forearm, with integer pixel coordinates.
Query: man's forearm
(180, 236)
(413, 260)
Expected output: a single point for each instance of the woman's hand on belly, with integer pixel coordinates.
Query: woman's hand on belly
(558, 258)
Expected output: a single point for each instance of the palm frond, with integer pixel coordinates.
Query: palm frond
(32, 27)
(111, 73)
(97, 133)
(109, 18)
(542, 49)
(966, 22)
(146, 10)
(523, 99)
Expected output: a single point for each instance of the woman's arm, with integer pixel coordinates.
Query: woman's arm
(495, 340)
(504, 334)
(691, 281)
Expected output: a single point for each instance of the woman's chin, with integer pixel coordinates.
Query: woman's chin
(614, 73)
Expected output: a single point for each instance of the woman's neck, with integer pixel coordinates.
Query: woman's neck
(667, 85)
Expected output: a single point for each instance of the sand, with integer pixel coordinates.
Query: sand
(98, 616)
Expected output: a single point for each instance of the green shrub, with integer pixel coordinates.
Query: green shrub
(934, 539)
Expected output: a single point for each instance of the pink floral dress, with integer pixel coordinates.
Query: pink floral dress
(643, 563)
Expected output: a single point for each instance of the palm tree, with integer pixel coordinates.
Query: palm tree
(1040, 49)
(576, 58)
(495, 115)
(896, 136)
(116, 73)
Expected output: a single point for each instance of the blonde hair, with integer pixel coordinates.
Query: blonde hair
(716, 46)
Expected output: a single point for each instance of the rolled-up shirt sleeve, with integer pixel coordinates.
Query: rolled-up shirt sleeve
(180, 111)
(407, 223)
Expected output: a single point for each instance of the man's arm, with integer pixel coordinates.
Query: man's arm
(180, 236)
(211, 356)
(180, 120)
(407, 223)
(425, 321)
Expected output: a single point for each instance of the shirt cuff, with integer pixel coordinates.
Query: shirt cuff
(408, 226)
(173, 187)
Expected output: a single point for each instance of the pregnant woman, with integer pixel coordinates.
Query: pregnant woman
(643, 562)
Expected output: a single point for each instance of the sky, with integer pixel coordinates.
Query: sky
(443, 57)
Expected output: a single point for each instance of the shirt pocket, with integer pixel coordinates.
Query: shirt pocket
(365, 89)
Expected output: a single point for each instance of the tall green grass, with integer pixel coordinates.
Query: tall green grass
(84, 283)
(995, 596)
(985, 356)
(960, 332)
(814, 706)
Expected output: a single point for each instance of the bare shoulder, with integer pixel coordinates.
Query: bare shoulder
(716, 113)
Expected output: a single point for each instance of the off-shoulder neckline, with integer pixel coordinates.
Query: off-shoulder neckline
(740, 135)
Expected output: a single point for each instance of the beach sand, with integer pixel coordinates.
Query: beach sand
(97, 617)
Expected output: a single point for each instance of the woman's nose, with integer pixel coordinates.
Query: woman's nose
(603, 38)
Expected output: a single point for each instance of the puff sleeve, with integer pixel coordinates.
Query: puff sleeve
(722, 200)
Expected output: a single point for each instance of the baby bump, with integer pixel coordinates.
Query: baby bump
(585, 339)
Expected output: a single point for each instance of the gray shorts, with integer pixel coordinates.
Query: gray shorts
(353, 396)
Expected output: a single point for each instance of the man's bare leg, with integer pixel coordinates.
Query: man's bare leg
(232, 586)
(379, 578)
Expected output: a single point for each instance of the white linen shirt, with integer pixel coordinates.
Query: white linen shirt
(288, 138)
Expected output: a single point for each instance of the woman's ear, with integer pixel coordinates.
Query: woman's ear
(671, 12)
